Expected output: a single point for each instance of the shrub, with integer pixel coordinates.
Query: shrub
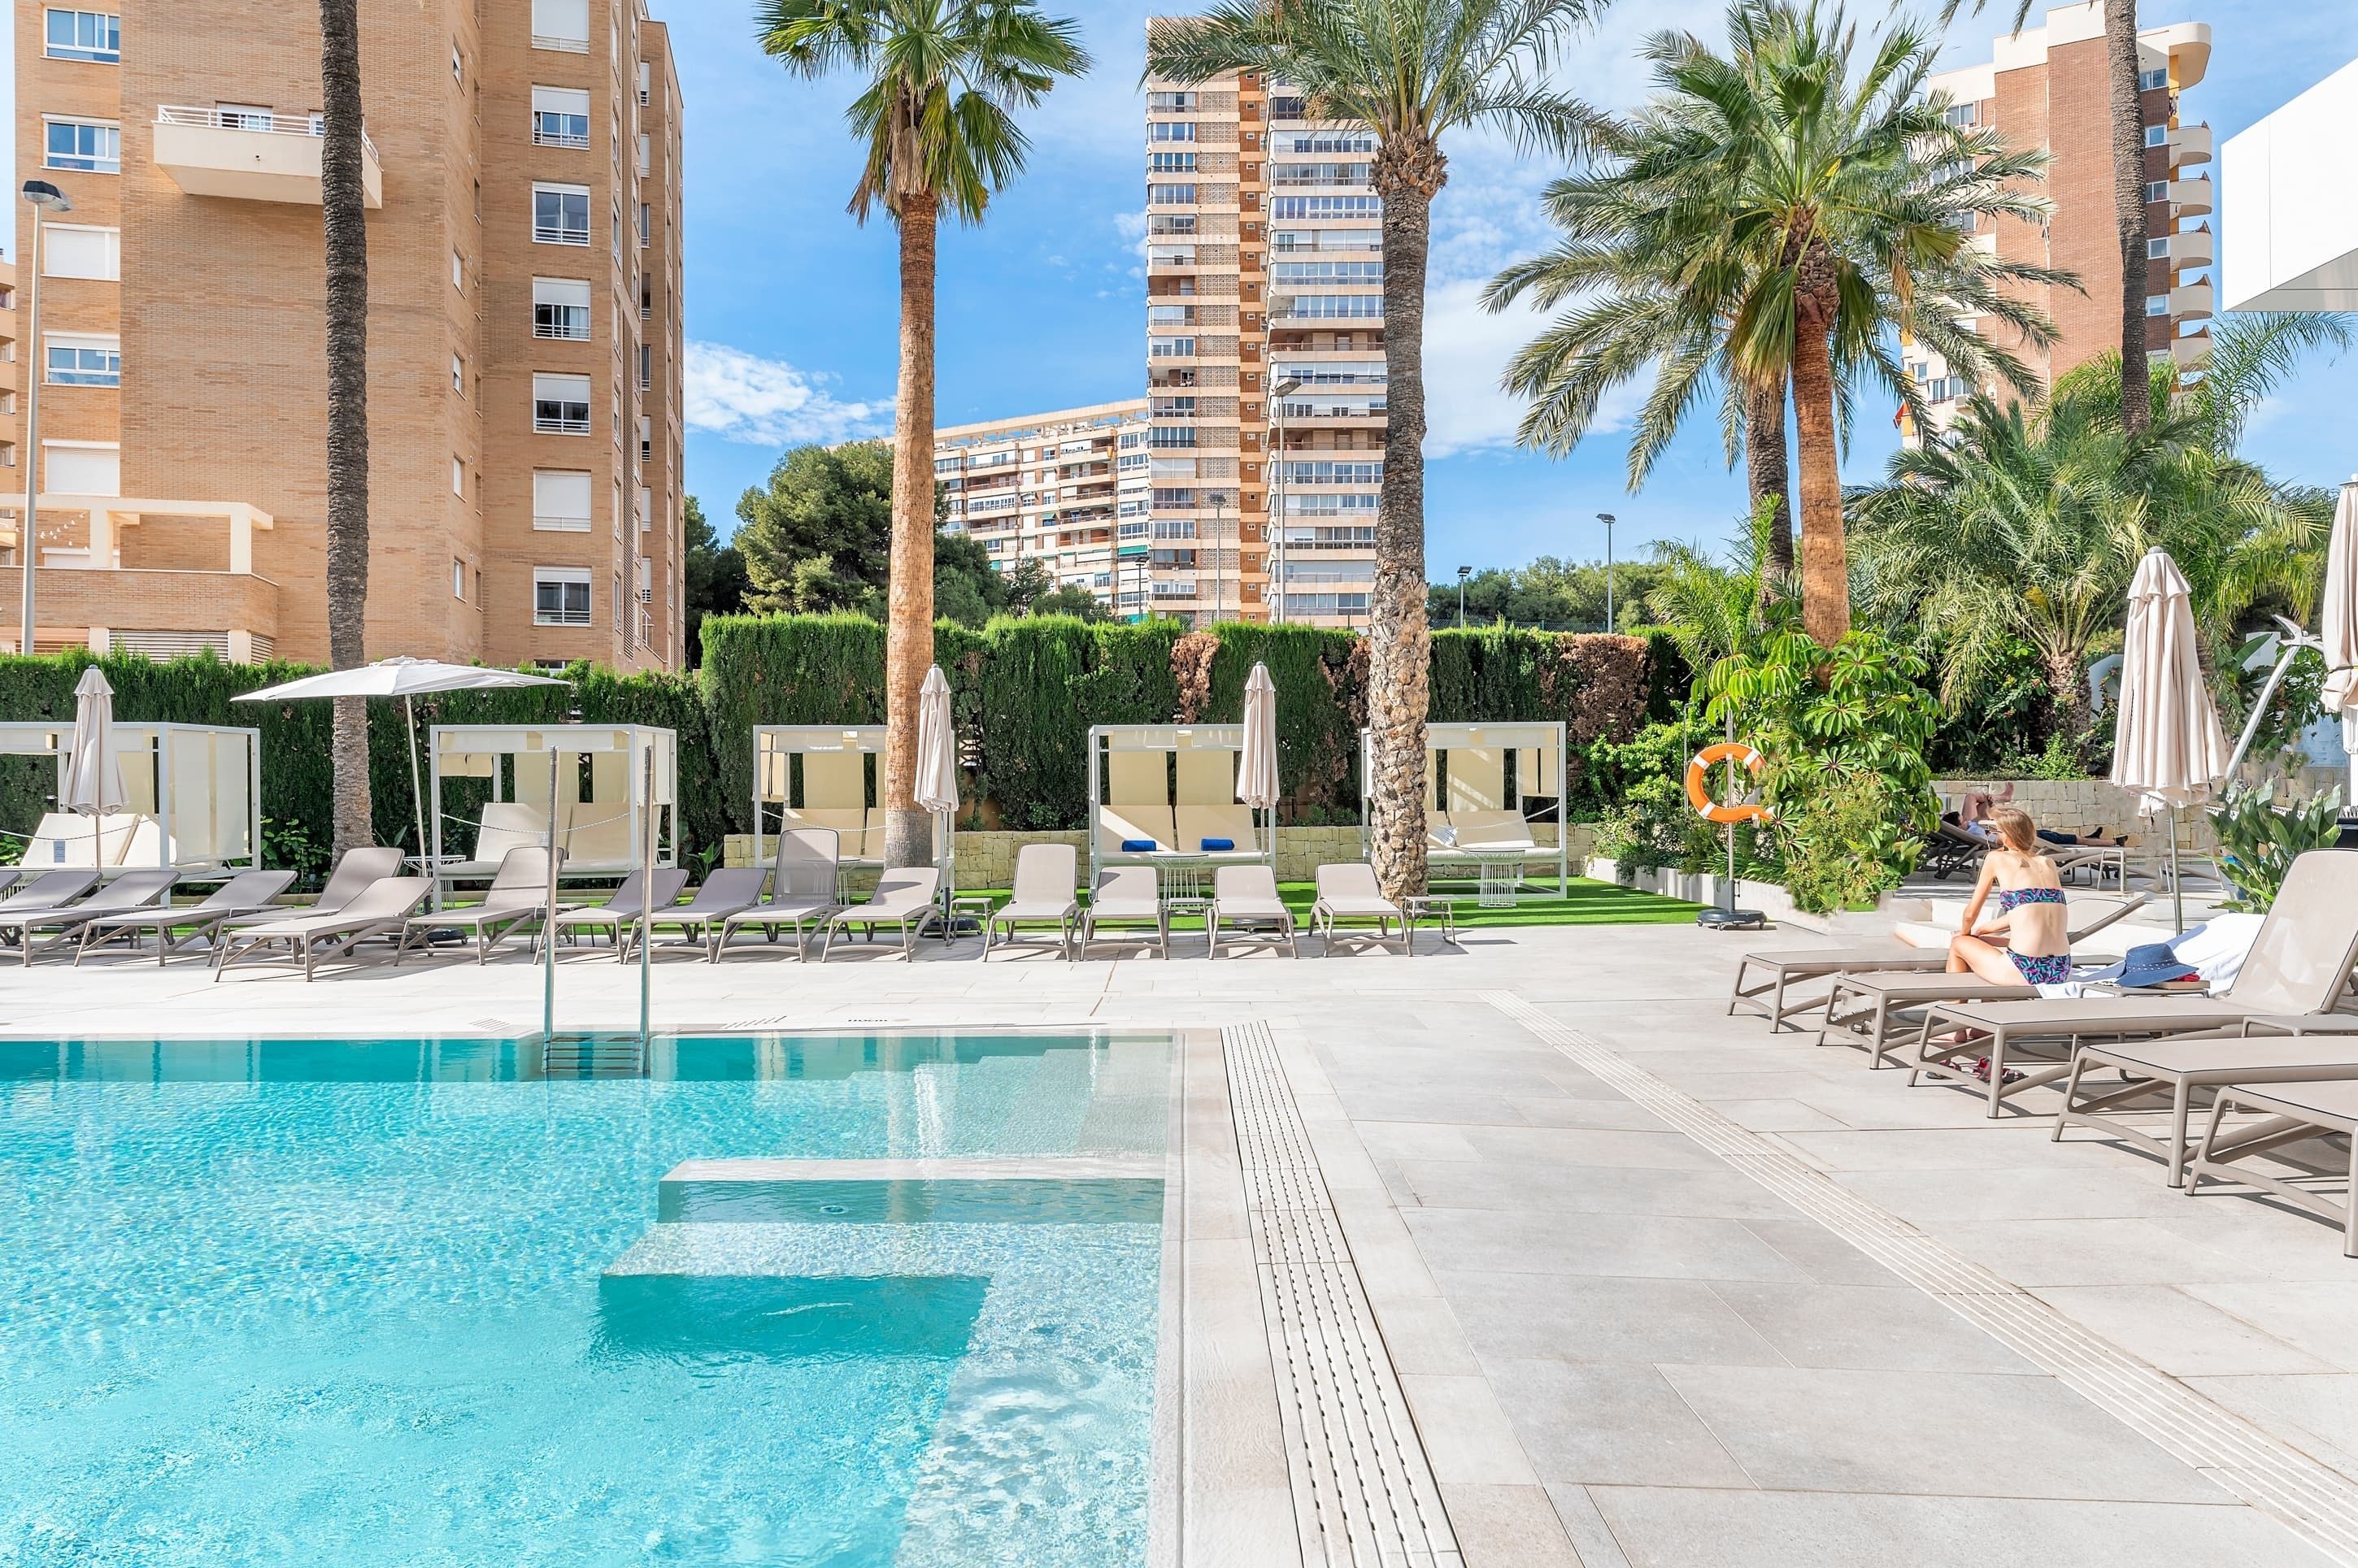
(2258, 842)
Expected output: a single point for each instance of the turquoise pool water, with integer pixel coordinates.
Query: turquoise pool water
(421, 1303)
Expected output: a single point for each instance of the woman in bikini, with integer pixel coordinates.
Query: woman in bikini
(2030, 944)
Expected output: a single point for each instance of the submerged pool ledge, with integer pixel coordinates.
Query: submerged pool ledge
(912, 1192)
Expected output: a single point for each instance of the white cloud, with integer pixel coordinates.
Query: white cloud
(1465, 350)
(768, 402)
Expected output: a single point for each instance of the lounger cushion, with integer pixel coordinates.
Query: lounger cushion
(1217, 846)
(1137, 845)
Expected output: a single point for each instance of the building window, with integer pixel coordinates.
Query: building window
(89, 146)
(560, 214)
(75, 250)
(647, 442)
(82, 360)
(560, 117)
(2155, 135)
(560, 307)
(560, 501)
(646, 223)
(458, 64)
(1961, 114)
(560, 404)
(92, 36)
(2156, 248)
(646, 366)
(1171, 131)
(561, 25)
(560, 595)
(1171, 103)
(1170, 195)
(458, 580)
(457, 273)
(2151, 80)
(646, 80)
(2156, 304)
(1171, 163)
(459, 374)
(646, 152)
(646, 296)
(2157, 190)
(459, 477)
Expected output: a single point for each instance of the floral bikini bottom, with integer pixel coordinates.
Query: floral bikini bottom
(2039, 969)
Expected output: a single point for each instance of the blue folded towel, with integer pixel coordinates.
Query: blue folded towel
(1137, 845)
(1215, 846)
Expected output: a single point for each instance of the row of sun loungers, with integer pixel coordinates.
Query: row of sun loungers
(2271, 1044)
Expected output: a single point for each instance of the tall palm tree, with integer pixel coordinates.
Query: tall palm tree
(344, 208)
(1845, 200)
(944, 79)
(1412, 71)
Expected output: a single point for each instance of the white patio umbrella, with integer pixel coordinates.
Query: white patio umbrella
(2168, 745)
(1257, 768)
(93, 783)
(938, 786)
(2339, 628)
(407, 679)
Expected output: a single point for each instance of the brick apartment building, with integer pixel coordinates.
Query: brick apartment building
(1054, 488)
(2047, 87)
(523, 178)
(1265, 355)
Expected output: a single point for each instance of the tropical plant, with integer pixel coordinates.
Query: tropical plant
(1713, 609)
(2258, 841)
(945, 79)
(1412, 71)
(343, 208)
(1809, 202)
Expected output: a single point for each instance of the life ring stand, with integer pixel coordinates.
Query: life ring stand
(1699, 793)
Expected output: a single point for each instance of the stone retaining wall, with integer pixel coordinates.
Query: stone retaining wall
(2073, 806)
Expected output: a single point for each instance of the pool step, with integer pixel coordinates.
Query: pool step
(594, 1056)
(911, 1191)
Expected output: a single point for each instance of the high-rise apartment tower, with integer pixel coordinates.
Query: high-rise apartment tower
(1051, 488)
(523, 170)
(2048, 87)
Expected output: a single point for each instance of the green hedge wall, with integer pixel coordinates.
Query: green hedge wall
(1025, 693)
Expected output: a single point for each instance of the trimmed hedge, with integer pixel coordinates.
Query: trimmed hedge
(1025, 693)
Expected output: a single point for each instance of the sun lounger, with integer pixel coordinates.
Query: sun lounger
(2296, 1112)
(507, 825)
(801, 892)
(1347, 890)
(2298, 968)
(2265, 1051)
(1244, 899)
(726, 891)
(47, 890)
(1045, 875)
(903, 897)
(380, 910)
(1125, 897)
(248, 893)
(518, 894)
(1950, 848)
(622, 910)
(359, 870)
(133, 890)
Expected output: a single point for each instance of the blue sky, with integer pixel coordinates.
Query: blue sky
(1040, 307)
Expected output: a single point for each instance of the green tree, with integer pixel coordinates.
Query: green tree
(966, 588)
(1412, 71)
(1078, 602)
(343, 209)
(944, 81)
(818, 537)
(1551, 592)
(1027, 581)
(715, 578)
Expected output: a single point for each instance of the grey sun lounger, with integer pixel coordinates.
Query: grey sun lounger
(1244, 899)
(1125, 897)
(518, 895)
(47, 889)
(903, 897)
(2294, 1112)
(622, 910)
(1767, 993)
(248, 893)
(727, 891)
(1347, 890)
(2298, 968)
(2266, 1051)
(134, 890)
(802, 892)
(1045, 876)
(379, 911)
(359, 868)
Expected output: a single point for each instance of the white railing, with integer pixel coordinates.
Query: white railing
(565, 45)
(558, 235)
(258, 119)
(549, 523)
(561, 424)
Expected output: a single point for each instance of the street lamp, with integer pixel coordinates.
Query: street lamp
(45, 197)
(1462, 573)
(1607, 518)
(1278, 395)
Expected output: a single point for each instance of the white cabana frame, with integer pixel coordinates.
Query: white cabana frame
(1133, 798)
(1477, 831)
(195, 803)
(597, 834)
(835, 786)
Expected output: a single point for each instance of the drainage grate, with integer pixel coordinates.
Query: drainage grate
(1363, 1492)
(2315, 1502)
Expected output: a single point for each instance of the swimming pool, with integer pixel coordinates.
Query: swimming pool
(427, 1301)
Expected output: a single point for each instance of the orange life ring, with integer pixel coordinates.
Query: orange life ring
(1699, 783)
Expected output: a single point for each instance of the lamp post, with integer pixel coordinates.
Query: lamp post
(1607, 518)
(45, 197)
(1277, 395)
(1462, 573)
(1219, 531)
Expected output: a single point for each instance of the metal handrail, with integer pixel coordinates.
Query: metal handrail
(263, 121)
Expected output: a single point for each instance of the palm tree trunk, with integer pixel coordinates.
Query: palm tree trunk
(345, 217)
(1825, 569)
(909, 631)
(2128, 203)
(1764, 466)
(1398, 640)
(2067, 689)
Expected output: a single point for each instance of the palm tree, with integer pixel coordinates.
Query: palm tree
(344, 209)
(944, 79)
(1412, 71)
(1839, 204)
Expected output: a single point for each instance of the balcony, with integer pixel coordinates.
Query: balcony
(252, 156)
(2190, 248)
(2188, 145)
(93, 591)
(2191, 198)
(2191, 302)
(2190, 351)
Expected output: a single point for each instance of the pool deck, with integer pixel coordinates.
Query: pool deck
(1659, 1288)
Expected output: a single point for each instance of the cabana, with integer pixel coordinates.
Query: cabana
(1166, 796)
(1480, 781)
(602, 787)
(815, 776)
(194, 805)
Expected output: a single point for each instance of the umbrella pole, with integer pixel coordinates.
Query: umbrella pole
(548, 920)
(416, 794)
(2177, 885)
(647, 910)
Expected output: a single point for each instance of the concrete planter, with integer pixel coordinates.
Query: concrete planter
(1769, 898)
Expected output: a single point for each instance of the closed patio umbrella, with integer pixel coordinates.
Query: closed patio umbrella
(93, 783)
(938, 786)
(2339, 628)
(1257, 769)
(2168, 745)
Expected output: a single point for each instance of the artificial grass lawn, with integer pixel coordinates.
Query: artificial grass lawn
(1588, 903)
